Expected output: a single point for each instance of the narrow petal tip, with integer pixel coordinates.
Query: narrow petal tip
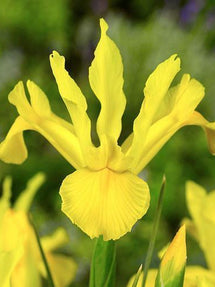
(12, 95)
(56, 61)
(54, 53)
(30, 84)
(103, 25)
(175, 58)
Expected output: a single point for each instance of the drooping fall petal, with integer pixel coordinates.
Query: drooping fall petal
(62, 267)
(54, 241)
(104, 202)
(14, 142)
(58, 132)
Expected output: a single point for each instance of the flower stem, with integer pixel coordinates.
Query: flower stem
(49, 276)
(103, 265)
(154, 232)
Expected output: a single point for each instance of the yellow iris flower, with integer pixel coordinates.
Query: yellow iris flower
(105, 196)
(195, 276)
(21, 264)
(8, 261)
(173, 262)
(201, 206)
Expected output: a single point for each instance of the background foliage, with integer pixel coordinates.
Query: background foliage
(146, 33)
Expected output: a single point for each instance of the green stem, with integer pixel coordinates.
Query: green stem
(154, 232)
(103, 265)
(49, 276)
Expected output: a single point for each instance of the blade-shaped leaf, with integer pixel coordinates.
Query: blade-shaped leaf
(137, 276)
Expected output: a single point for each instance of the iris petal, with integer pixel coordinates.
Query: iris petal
(55, 240)
(8, 261)
(106, 81)
(201, 207)
(74, 101)
(104, 202)
(62, 267)
(155, 90)
(57, 131)
(184, 99)
(209, 127)
(24, 201)
(13, 149)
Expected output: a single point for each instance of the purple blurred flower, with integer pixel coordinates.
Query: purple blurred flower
(190, 10)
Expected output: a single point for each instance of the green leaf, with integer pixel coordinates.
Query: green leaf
(137, 276)
(172, 267)
(103, 264)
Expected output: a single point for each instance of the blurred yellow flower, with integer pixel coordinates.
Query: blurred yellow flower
(201, 206)
(105, 196)
(18, 244)
(195, 276)
(8, 258)
(8, 261)
(173, 262)
(172, 267)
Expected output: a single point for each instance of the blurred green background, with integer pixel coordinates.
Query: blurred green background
(146, 32)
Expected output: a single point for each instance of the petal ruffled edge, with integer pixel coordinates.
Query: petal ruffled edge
(104, 202)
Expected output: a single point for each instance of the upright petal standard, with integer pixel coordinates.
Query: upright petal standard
(105, 196)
